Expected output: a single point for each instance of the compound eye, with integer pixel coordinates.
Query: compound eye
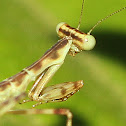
(59, 26)
(89, 42)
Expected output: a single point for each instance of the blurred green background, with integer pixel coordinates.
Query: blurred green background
(27, 30)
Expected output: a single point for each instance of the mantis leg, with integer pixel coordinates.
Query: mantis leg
(65, 112)
(42, 80)
(54, 93)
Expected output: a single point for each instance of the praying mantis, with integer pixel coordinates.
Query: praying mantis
(12, 89)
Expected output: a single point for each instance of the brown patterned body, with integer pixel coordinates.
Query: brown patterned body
(18, 83)
(12, 89)
(41, 71)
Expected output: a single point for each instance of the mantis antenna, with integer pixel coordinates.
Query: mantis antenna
(105, 19)
(80, 15)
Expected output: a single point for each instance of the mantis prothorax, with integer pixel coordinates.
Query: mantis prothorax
(12, 89)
